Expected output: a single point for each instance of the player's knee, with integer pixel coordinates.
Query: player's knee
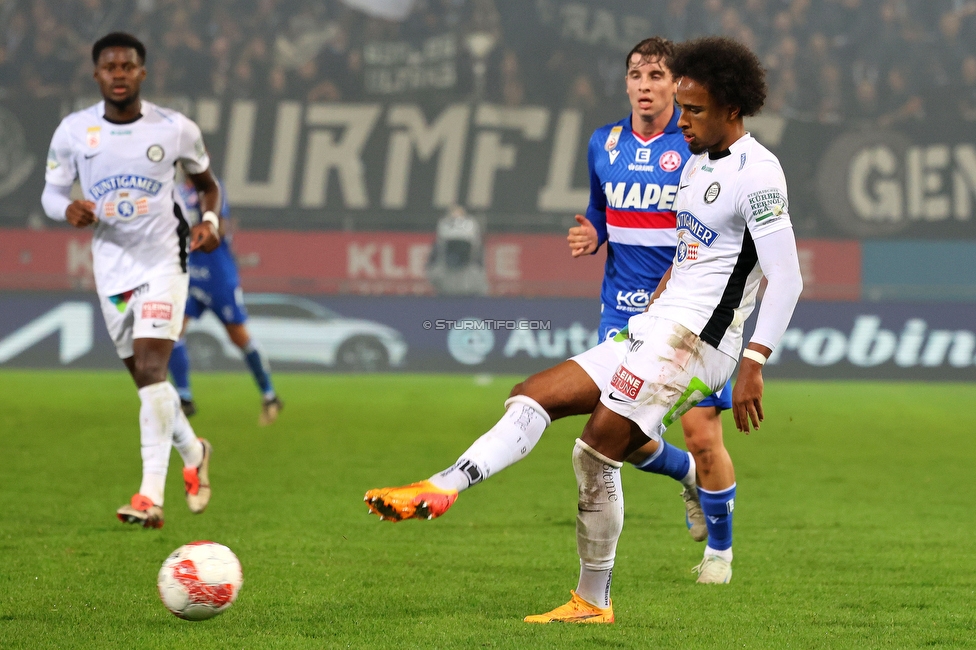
(148, 370)
(703, 431)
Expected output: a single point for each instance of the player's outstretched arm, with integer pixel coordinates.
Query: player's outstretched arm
(583, 239)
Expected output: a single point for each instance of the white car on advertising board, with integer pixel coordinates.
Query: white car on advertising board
(298, 330)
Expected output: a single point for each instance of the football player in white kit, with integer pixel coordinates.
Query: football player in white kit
(733, 227)
(123, 151)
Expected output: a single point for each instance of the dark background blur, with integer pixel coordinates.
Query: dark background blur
(880, 61)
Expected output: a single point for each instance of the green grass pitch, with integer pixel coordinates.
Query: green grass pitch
(854, 525)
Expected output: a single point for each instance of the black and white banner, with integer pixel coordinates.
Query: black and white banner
(400, 164)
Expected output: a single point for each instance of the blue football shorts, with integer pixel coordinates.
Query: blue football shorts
(215, 285)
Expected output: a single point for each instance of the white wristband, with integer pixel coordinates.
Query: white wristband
(758, 357)
(211, 217)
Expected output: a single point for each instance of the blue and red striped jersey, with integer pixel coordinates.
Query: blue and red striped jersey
(633, 183)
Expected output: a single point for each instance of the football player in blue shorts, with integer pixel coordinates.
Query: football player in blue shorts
(635, 165)
(215, 285)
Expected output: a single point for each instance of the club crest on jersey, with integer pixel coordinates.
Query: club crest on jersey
(669, 161)
(712, 192)
(686, 222)
(613, 155)
(94, 136)
(685, 251)
(613, 138)
(126, 210)
(155, 153)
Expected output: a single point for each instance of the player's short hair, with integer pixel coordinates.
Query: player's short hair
(118, 39)
(728, 70)
(652, 48)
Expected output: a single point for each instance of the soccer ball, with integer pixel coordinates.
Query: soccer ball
(200, 580)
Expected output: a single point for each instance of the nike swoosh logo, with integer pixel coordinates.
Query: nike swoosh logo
(585, 510)
(89, 156)
(617, 399)
(681, 187)
(160, 324)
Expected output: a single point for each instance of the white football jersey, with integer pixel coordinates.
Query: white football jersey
(128, 171)
(723, 205)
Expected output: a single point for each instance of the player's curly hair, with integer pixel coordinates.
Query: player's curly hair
(729, 70)
(652, 48)
(118, 39)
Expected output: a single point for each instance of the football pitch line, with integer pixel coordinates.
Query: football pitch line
(853, 522)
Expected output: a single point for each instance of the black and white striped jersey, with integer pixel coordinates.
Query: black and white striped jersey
(725, 202)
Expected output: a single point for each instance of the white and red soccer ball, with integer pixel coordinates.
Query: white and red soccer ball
(200, 580)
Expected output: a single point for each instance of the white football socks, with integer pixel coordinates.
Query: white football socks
(599, 521)
(155, 429)
(690, 480)
(184, 439)
(506, 443)
(161, 426)
(724, 554)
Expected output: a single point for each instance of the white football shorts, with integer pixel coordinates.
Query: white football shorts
(665, 371)
(153, 310)
(600, 361)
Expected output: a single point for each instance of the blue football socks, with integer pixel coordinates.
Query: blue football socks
(179, 367)
(669, 461)
(717, 508)
(260, 370)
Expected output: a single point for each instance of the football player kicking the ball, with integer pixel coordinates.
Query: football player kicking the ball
(733, 228)
(641, 242)
(124, 151)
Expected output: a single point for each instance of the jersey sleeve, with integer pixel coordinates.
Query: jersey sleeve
(596, 211)
(192, 153)
(224, 205)
(61, 169)
(761, 199)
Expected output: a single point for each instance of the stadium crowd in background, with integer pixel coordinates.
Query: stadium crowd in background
(887, 61)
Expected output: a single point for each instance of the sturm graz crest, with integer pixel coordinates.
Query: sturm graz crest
(16, 163)
(712, 192)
